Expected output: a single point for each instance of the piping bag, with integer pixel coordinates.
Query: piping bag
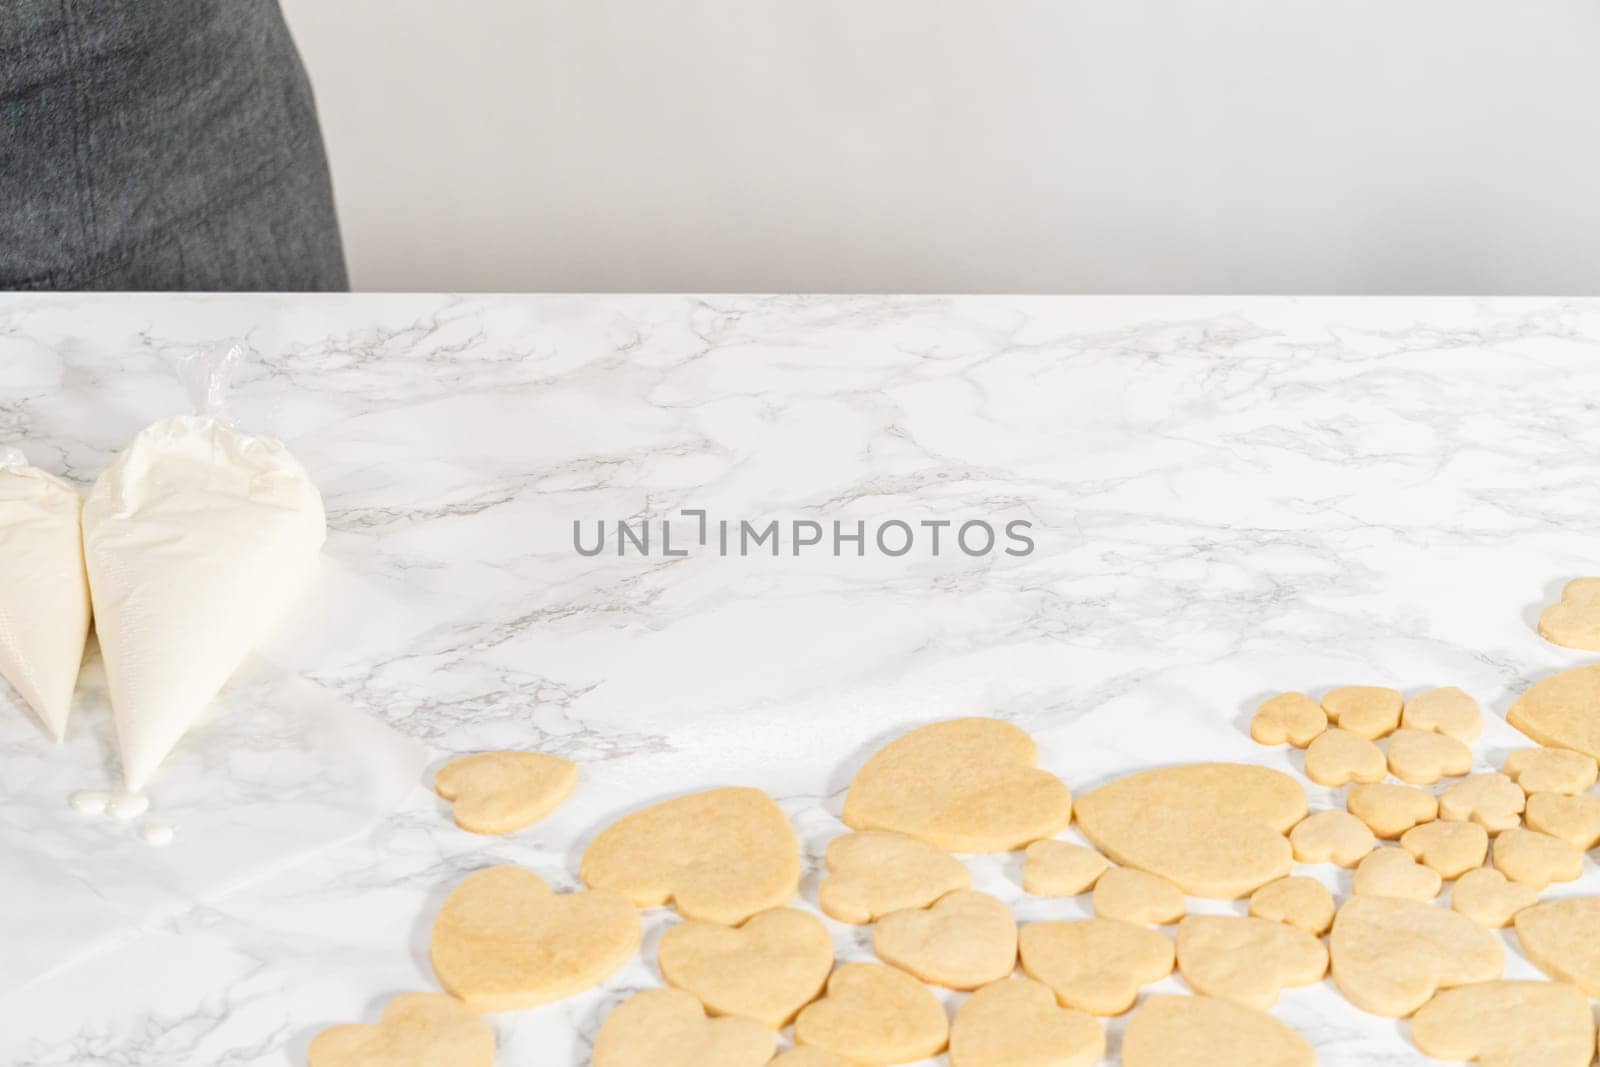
(198, 539)
(44, 594)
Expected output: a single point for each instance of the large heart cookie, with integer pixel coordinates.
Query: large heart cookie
(1574, 621)
(1562, 938)
(767, 969)
(503, 941)
(1016, 1023)
(1248, 961)
(1390, 956)
(417, 1030)
(1206, 1032)
(1212, 829)
(872, 873)
(669, 1028)
(1095, 965)
(502, 792)
(1508, 1024)
(1562, 711)
(963, 941)
(966, 785)
(874, 1014)
(721, 855)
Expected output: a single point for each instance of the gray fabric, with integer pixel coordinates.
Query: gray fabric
(160, 144)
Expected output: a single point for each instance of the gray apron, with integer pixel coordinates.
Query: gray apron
(160, 144)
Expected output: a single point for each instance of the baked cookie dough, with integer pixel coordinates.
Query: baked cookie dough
(1016, 1023)
(1391, 872)
(873, 1014)
(1536, 859)
(966, 785)
(1390, 956)
(1451, 848)
(1490, 899)
(1138, 897)
(1053, 868)
(1371, 711)
(416, 1030)
(1207, 1032)
(1213, 829)
(1423, 757)
(1296, 900)
(1551, 770)
(1562, 711)
(1332, 837)
(502, 792)
(1508, 1024)
(873, 873)
(965, 940)
(669, 1028)
(1248, 961)
(1390, 810)
(766, 970)
(1445, 711)
(504, 941)
(1493, 801)
(805, 1056)
(1338, 757)
(1095, 965)
(1562, 938)
(1288, 718)
(720, 855)
(1573, 819)
(1574, 621)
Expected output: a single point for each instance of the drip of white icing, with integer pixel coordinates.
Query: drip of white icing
(158, 834)
(90, 801)
(128, 806)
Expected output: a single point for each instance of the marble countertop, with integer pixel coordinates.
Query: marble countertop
(1226, 497)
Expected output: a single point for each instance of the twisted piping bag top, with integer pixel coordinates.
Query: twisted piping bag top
(44, 595)
(198, 540)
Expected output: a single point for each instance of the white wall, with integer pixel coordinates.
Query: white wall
(982, 145)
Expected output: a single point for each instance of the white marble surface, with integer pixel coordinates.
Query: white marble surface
(1229, 496)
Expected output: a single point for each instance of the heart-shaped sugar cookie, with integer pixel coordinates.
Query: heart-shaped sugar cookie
(1061, 869)
(1016, 1023)
(1552, 770)
(766, 970)
(963, 941)
(873, 873)
(417, 1030)
(1095, 965)
(1574, 621)
(1490, 899)
(966, 785)
(1248, 961)
(1448, 711)
(1207, 1032)
(1562, 938)
(1493, 801)
(1560, 711)
(669, 1028)
(1508, 1024)
(721, 855)
(502, 792)
(1422, 757)
(1450, 848)
(503, 941)
(1332, 837)
(1536, 859)
(1390, 956)
(1391, 872)
(1372, 711)
(1138, 897)
(1390, 810)
(1573, 819)
(1340, 756)
(1296, 900)
(1288, 718)
(873, 1014)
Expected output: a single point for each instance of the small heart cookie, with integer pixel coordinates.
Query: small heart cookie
(1390, 956)
(966, 785)
(1562, 938)
(1493, 801)
(1573, 819)
(766, 970)
(1552, 770)
(1559, 711)
(720, 855)
(1390, 810)
(1445, 711)
(1288, 718)
(669, 1028)
(1422, 757)
(1095, 965)
(1451, 848)
(1053, 868)
(1207, 1032)
(873, 1014)
(1372, 711)
(1296, 900)
(1339, 756)
(1332, 837)
(1574, 621)
(1016, 1023)
(1248, 961)
(504, 941)
(416, 1030)
(1138, 897)
(1490, 899)
(1391, 872)
(963, 941)
(1508, 1024)
(502, 792)
(1536, 859)
(873, 873)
